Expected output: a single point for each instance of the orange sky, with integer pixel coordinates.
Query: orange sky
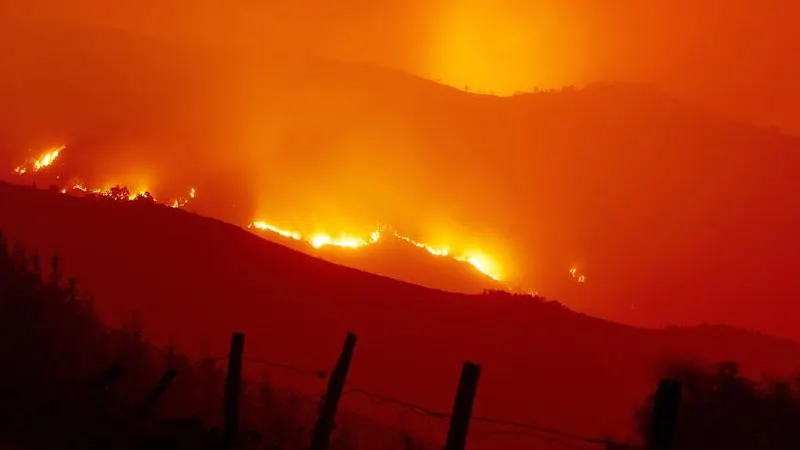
(703, 51)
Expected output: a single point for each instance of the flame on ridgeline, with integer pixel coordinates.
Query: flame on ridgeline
(479, 261)
(118, 193)
(121, 193)
(46, 159)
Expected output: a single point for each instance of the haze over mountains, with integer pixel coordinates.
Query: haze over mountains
(504, 46)
(673, 214)
(192, 280)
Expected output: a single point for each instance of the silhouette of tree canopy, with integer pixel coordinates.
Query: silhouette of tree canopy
(119, 193)
(145, 197)
(721, 409)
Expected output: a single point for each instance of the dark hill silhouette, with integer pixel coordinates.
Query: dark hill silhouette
(673, 214)
(193, 280)
(71, 381)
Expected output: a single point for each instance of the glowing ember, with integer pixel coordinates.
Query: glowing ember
(320, 239)
(578, 277)
(479, 261)
(181, 202)
(45, 160)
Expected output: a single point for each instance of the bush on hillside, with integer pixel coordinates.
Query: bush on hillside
(58, 388)
(721, 409)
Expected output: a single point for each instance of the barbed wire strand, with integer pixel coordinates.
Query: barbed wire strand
(419, 411)
(317, 373)
(533, 430)
(410, 406)
(541, 429)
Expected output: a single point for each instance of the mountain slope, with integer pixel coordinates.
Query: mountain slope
(673, 215)
(396, 258)
(194, 280)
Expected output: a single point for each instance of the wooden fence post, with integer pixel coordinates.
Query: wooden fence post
(462, 408)
(233, 387)
(156, 392)
(320, 438)
(665, 415)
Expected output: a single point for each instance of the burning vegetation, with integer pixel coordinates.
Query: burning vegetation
(479, 260)
(115, 192)
(483, 264)
(45, 160)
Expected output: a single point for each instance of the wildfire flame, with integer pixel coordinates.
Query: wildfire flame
(45, 160)
(115, 192)
(578, 277)
(479, 261)
(120, 193)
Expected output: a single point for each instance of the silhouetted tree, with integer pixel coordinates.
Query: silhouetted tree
(145, 197)
(723, 410)
(119, 193)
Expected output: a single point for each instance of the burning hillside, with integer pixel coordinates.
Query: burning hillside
(477, 260)
(112, 191)
(41, 162)
(482, 263)
(641, 194)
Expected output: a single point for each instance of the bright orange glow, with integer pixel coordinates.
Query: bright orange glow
(261, 225)
(493, 47)
(181, 202)
(45, 160)
(111, 190)
(322, 239)
(124, 194)
(431, 250)
(480, 261)
(578, 277)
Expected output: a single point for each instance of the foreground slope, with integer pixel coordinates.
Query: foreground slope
(193, 280)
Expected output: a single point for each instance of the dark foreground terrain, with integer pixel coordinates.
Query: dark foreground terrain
(192, 281)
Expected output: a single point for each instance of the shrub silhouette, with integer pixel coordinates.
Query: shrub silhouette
(721, 409)
(55, 351)
(119, 193)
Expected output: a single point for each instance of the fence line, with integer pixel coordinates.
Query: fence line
(317, 373)
(665, 411)
(661, 436)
